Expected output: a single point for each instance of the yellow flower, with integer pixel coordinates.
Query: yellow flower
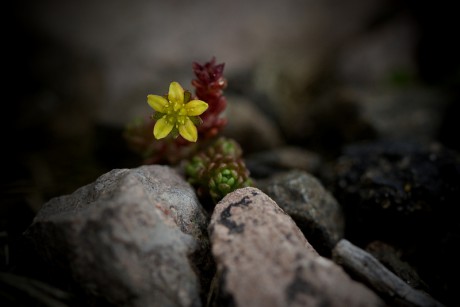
(176, 112)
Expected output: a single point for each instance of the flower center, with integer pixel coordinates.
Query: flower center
(176, 113)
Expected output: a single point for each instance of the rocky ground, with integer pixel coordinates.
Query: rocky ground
(347, 115)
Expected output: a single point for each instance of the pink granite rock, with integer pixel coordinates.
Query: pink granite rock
(263, 259)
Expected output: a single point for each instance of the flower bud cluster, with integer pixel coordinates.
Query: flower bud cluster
(209, 85)
(218, 170)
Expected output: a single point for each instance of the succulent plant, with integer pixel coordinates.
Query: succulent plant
(218, 170)
(190, 121)
(186, 128)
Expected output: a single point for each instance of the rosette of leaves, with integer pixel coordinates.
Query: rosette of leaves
(218, 170)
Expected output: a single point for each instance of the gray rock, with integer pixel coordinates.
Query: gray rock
(315, 211)
(263, 259)
(134, 237)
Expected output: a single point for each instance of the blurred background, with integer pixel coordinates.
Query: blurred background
(322, 73)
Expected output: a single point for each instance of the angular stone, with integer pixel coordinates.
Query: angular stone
(311, 206)
(263, 259)
(134, 237)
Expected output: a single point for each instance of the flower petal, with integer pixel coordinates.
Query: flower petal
(176, 93)
(188, 130)
(158, 103)
(196, 107)
(162, 128)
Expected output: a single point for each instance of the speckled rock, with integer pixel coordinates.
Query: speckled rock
(404, 184)
(391, 258)
(263, 259)
(406, 194)
(134, 237)
(315, 211)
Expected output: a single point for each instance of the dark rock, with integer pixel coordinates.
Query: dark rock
(391, 258)
(134, 237)
(365, 267)
(405, 184)
(263, 259)
(406, 194)
(311, 206)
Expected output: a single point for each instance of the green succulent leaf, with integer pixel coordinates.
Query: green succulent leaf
(219, 169)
